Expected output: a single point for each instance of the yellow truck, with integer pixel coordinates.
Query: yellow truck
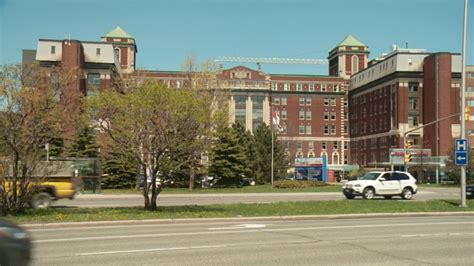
(50, 189)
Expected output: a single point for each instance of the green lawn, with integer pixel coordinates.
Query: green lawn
(246, 189)
(240, 210)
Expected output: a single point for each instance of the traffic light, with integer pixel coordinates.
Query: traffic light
(467, 113)
(408, 156)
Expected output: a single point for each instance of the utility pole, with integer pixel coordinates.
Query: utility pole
(463, 103)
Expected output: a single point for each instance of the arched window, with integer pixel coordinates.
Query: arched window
(299, 154)
(355, 64)
(310, 154)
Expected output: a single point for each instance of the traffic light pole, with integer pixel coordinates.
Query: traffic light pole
(463, 105)
(416, 128)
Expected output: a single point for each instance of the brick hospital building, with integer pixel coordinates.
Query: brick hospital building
(354, 115)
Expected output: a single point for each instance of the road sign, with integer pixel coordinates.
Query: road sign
(460, 156)
(461, 145)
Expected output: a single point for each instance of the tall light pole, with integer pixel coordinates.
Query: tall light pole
(463, 103)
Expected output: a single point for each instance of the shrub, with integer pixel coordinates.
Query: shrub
(298, 184)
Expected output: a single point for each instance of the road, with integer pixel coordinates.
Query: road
(440, 240)
(128, 200)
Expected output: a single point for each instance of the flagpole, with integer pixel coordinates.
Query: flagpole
(272, 128)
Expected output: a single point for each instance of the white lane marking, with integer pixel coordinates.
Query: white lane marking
(148, 250)
(239, 231)
(239, 226)
(439, 234)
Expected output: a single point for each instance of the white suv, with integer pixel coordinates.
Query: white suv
(387, 184)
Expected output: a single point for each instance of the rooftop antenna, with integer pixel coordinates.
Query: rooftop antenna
(68, 40)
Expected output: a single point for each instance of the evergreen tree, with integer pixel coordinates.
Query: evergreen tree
(245, 140)
(263, 156)
(228, 158)
(84, 144)
(119, 172)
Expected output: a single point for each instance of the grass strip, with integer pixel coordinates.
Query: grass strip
(239, 210)
(246, 189)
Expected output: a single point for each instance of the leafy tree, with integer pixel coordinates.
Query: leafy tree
(228, 157)
(159, 128)
(84, 144)
(30, 117)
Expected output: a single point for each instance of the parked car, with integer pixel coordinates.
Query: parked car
(387, 184)
(15, 245)
(470, 191)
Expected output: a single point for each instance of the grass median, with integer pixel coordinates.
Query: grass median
(246, 189)
(55, 215)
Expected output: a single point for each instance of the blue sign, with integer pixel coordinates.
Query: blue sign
(460, 156)
(461, 145)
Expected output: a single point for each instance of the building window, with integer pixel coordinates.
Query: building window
(53, 49)
(326, 101)
(301, 116)
(345, 146)
(335, 158)
(326, 115)
(324, 145)
(274, 86)
(308, 115)
(333, 101)
(302, 101)
(308, 101)
(413, 121)
(283, 100)
(413, 103)
(326, 130)
(283, 114)
(97, 51)
(276, 101)
(355, 64)
(336, 88)
(333, 115)
(335, 145)
(333, 129)
(323, 87)
(308, 129)
(413, 87)
(301, 129)
(311, 87)
(93, 84)
(286, 87)
(240, 108)
(299, 87)
(299, 144)
(310, 145)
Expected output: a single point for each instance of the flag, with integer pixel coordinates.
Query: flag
(276, 121)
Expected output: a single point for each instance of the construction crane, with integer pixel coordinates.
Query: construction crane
(271, 60)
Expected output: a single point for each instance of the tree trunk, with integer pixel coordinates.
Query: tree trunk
(191, 180)
(145, 189)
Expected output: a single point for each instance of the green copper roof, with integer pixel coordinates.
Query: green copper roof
(350, 41)
(118, 33)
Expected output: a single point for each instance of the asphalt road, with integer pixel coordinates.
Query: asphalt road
(439, 240)
(128, 200)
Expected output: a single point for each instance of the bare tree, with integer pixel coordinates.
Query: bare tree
(30, 114)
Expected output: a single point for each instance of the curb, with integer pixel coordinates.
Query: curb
(236, 219)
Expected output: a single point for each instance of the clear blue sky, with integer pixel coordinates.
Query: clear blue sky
(167, 31)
